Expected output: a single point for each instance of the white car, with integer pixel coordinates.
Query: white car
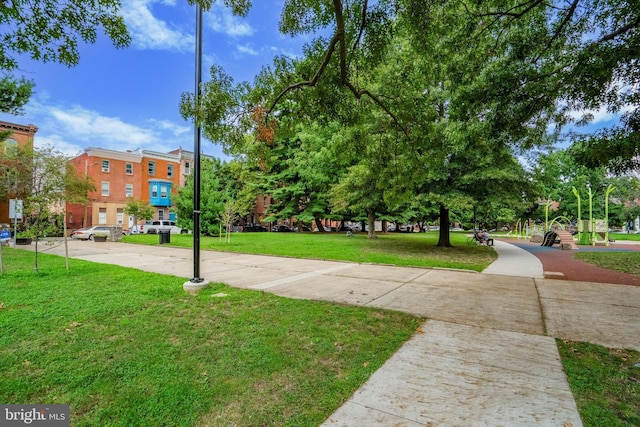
(155, 226)
(87, 233)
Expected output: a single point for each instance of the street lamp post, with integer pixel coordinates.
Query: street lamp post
(196, 283)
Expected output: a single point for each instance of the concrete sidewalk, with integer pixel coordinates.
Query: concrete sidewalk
(486, 356)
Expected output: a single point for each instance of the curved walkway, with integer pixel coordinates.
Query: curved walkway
(514, 261)
(486, 355)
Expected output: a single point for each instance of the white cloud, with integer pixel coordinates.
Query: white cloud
(59, 143)
(148, 32)
(98, 130)
(601, 115)
(246, 50)
(172, 127)
(222, 20)
(71, 129)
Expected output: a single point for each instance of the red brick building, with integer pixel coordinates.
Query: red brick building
(118, 176)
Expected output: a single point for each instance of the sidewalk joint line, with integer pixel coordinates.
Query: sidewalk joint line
(285, 280)
(544, 323)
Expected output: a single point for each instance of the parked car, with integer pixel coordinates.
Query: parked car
(281, 228)
(253, 228)
(157, 225)
(88, 233)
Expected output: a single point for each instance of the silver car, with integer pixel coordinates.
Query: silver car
(87, 233)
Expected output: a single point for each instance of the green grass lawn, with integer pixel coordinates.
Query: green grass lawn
(406, 249)
(624, 236)
(129, 348)
(605, 383)
(625, 262)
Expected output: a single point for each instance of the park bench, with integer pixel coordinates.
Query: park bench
(477, 237)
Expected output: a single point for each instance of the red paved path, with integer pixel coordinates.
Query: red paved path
(555, 260)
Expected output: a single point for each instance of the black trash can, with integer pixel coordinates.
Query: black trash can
(165, 236)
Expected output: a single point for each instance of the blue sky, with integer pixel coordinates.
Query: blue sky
(128, 98)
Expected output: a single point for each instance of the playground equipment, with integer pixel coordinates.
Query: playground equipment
(588, 231)
(524, 230)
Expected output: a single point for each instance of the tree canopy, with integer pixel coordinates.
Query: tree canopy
(50, 31)
(14, 94)
(453, 91)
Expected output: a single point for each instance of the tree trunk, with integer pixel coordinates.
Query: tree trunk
(35, 257)
(319, 225)
(444, 240)
(384, 225)
(371, 222)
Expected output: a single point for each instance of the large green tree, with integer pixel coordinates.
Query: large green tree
(46, 195)
(219, 185)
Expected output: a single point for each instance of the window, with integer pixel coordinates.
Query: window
(105, 188)
(119, 216)
(152, 168)
(102, 216)
(128, 168)
(105, 165)
(10, 146)
(154, 191)
(187, 168)
(70, 217)
(163, 192)
(160, 214)
(128, 190)
(170, 171)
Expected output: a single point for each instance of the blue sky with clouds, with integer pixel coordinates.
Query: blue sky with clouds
(128, 98)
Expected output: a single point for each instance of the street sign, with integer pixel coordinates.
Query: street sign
(5, 234)
(15, 209)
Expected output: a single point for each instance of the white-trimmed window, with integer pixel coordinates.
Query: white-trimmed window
(163, 192)
(120, 216)
(105, 188)
(187, 168)
(128, 168)
(151, 168)
(128, 190)
(154, 191)
(160, 214)
(170, 171)
(106, 164)
(102, 215)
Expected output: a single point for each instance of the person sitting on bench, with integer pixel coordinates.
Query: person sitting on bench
(485, 238)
